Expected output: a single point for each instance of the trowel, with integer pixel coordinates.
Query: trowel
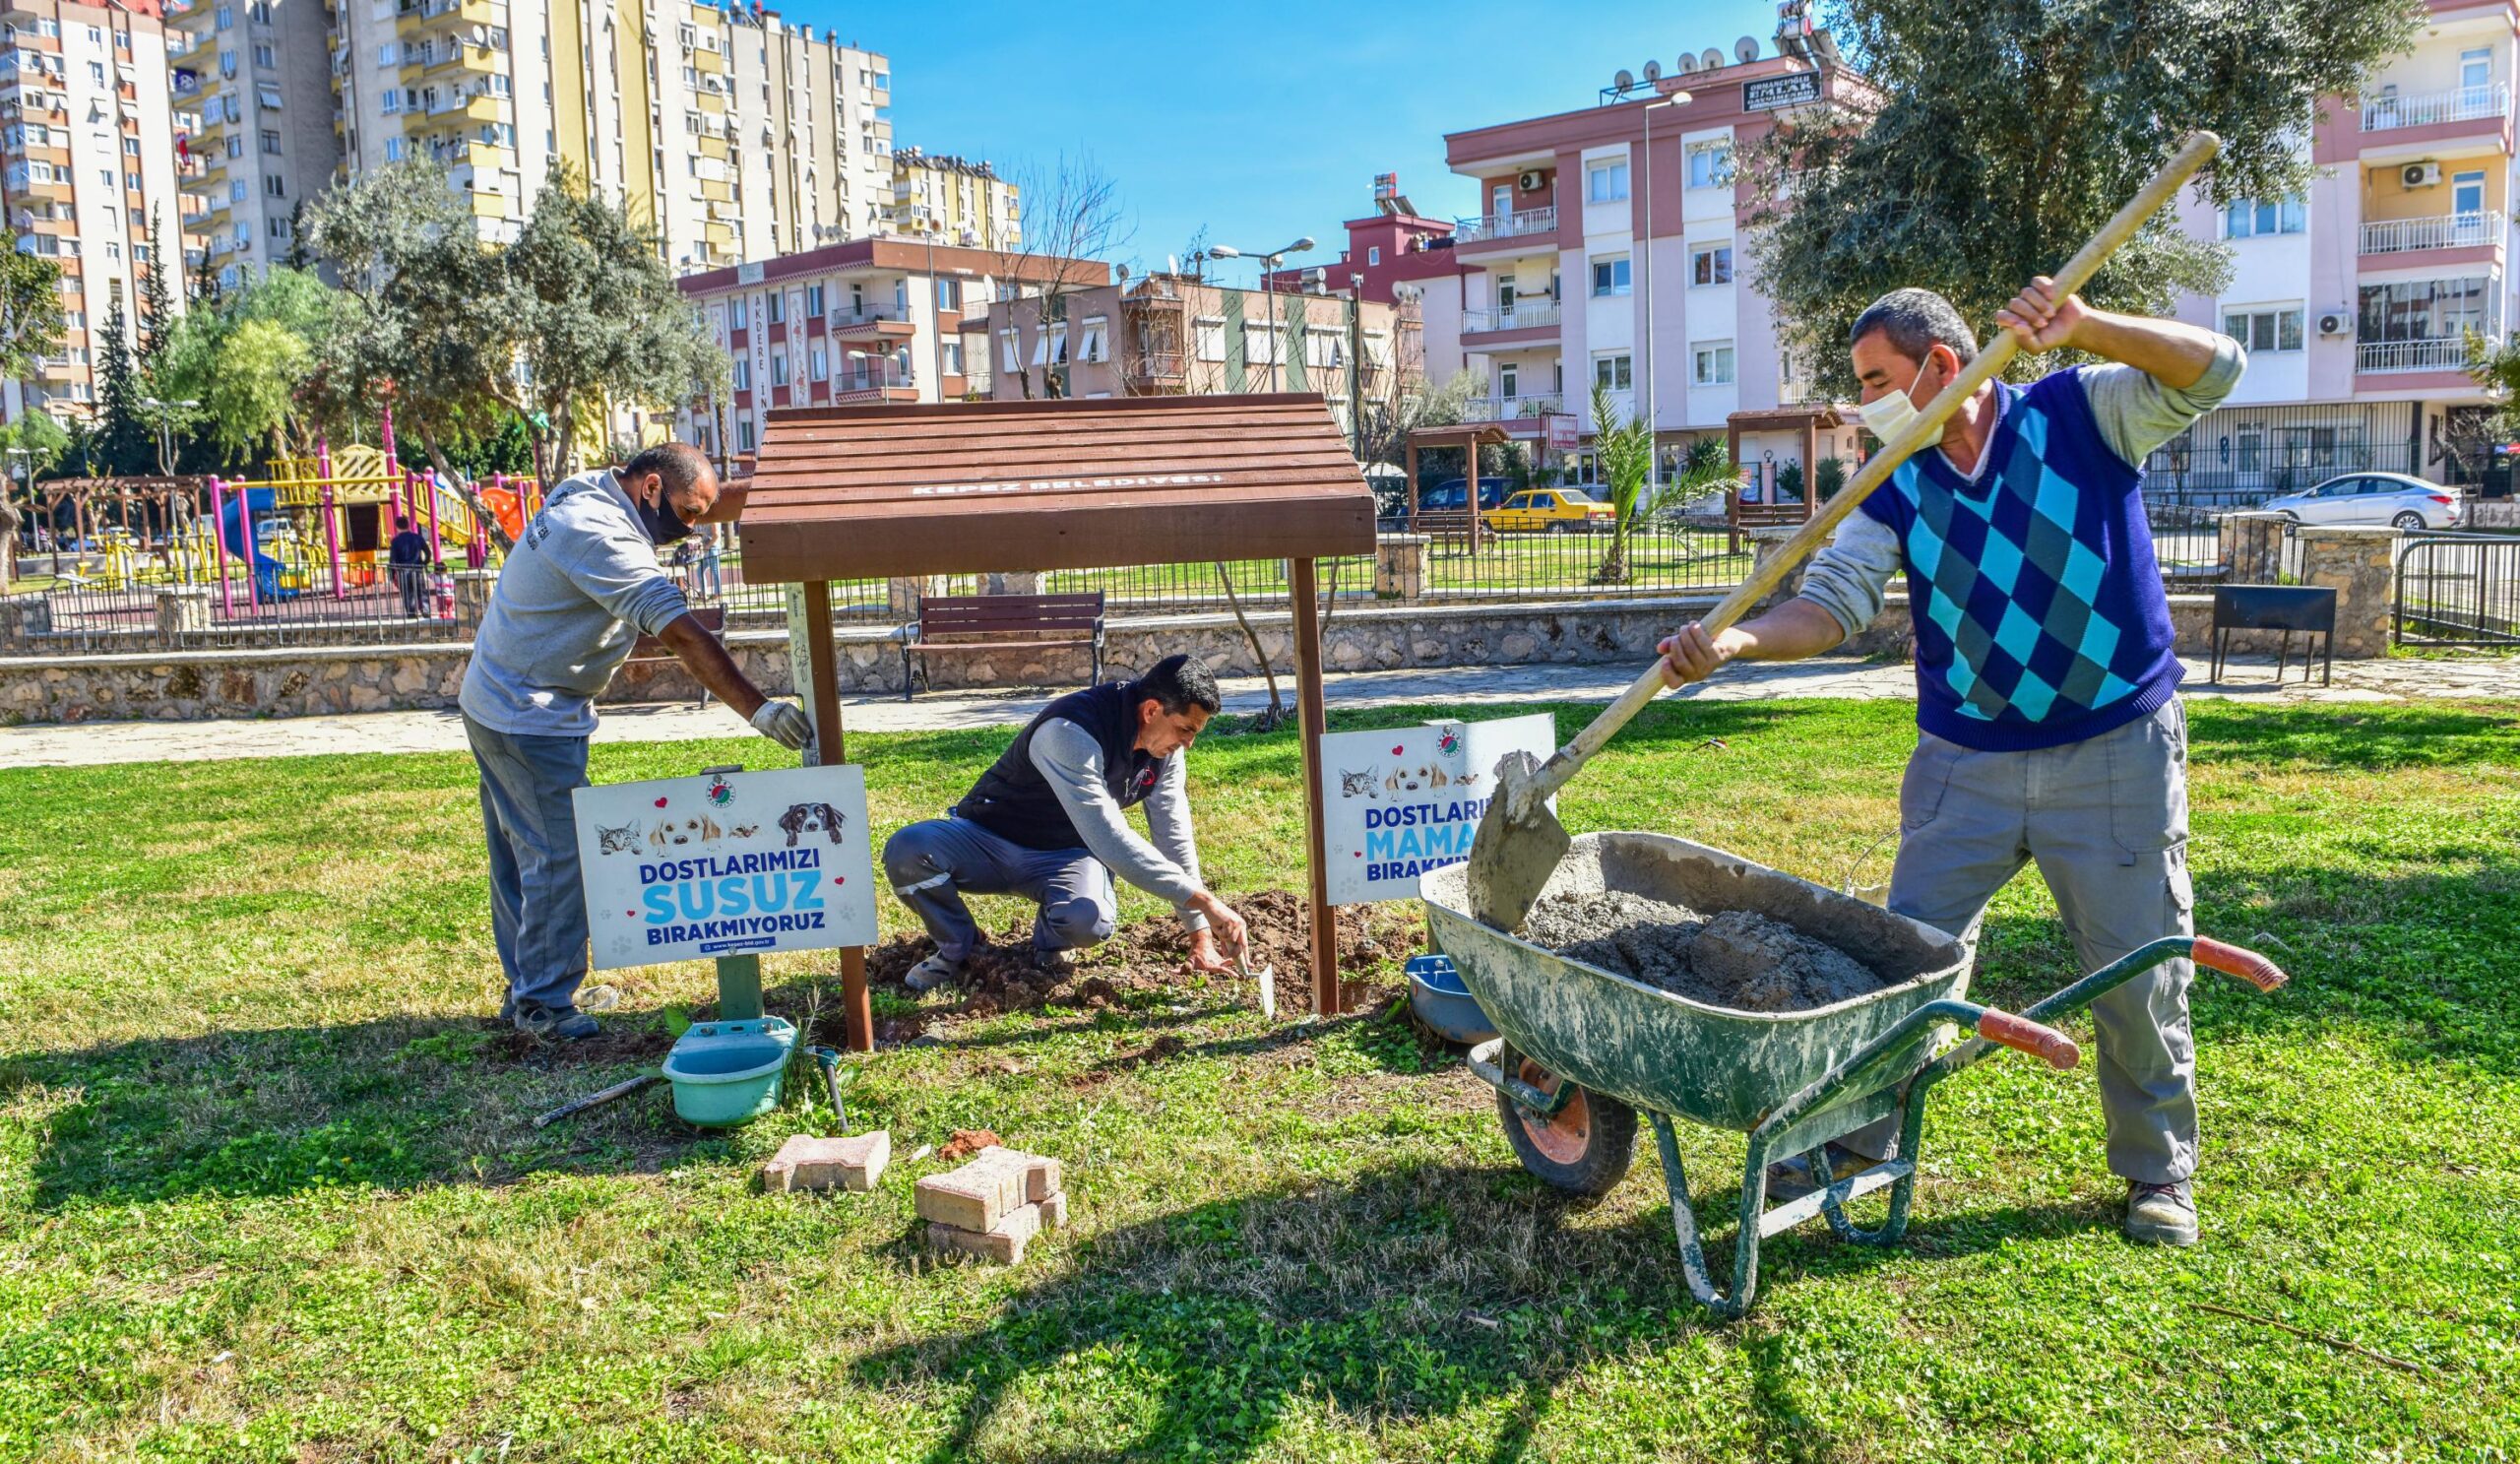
(1267, 976)
(1520, 840)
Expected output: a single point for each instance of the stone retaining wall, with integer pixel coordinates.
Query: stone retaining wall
(305, 683)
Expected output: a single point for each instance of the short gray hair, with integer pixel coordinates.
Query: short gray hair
(1916, 321)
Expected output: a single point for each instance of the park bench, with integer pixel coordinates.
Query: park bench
(978, 624)
(2285, 608)
(647, 650)
(1450, 528)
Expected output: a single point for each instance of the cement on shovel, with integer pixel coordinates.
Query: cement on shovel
(1736, 960)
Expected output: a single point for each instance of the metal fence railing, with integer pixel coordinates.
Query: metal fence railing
(2458, 590)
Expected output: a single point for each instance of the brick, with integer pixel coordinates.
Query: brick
(977, 1196)
(1041, 1179)
(1003, 1243)
(805, 1161)
(1054, 1211)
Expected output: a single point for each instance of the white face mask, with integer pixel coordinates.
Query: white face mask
(1892, 413)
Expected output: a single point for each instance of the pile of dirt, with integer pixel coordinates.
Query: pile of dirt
(1148, 955)
(1736, 960)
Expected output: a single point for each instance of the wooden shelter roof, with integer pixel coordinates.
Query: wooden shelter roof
(1461, 434)
(856, 492)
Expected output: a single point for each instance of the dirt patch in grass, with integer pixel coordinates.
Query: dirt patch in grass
(1151, 955)
(616, 1042)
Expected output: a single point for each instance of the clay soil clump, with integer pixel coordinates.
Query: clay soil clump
(1736, 960)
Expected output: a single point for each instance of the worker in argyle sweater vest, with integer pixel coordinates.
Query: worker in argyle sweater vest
(2050, 723)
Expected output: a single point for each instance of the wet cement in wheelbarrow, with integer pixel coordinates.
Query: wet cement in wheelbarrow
(1736, 960)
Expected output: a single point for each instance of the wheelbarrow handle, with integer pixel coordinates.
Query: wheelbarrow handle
(2233, 960)
(2039, 1041)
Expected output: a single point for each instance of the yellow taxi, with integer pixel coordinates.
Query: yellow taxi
(1565, 510)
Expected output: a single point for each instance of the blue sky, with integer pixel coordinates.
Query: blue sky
(1260, 122)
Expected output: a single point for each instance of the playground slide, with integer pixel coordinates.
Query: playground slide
(231, 531)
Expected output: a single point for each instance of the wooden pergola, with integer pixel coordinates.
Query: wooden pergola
(1469, 436)
(852, 492)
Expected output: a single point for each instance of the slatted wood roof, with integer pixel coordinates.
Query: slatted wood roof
(852, 492)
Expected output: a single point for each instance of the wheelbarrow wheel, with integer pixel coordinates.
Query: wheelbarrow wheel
(1585, 1149)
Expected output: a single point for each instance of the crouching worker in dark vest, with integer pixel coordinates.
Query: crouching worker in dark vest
(1046, 821)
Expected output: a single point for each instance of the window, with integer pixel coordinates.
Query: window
(2424, 309)
(1711, 164)
(2249, 218)
(235, 147)
(271, 142)
(96, 72)
(269, 98)
(1605, 182)
(953, 359)
(1373, 255)
(391, 103)
(1209, 334)
(742, 374)
(392, 150)
(280, 228)
(1710, 364)
(743, 435)
(949, 294)
(814, 303)
(1095, 344)
(2467, 192)
(274, 185)
(1612, 372)
(738, 313)
(777, 311)
(2476, 70)
(236, 190)
(226, 18)
(1260, 343)
(1509, 379)
(1711, 266)
(1609, 276)
(1323, 347)
(1010, 356)
(779, 368)
(265, 57)
(388, 55)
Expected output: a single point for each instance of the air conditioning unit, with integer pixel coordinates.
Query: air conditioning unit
(2420, 175)
(2336, 323)
(1531, 180)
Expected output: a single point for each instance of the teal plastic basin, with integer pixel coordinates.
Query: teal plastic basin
(726, 1073)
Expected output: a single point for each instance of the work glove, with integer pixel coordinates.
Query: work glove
(784, 723)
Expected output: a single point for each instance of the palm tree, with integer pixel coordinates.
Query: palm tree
(1625, 451)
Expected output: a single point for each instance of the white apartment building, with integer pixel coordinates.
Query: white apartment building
(86, 152)
(2356, 299)
(252, 93)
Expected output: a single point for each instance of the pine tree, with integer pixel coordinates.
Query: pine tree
(204, 290)
(157, 302)
(122, 435)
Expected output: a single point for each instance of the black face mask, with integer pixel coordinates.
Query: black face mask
(664, 525)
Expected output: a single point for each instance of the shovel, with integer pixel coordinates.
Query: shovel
(1267, 976)
(1520, 840)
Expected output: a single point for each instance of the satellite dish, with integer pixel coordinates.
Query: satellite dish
(1624, 80)
(1747, 48)
(1688, 63)
(1712, 59)
(1652, 71)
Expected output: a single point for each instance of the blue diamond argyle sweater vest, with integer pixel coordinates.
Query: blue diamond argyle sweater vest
(2039, 610)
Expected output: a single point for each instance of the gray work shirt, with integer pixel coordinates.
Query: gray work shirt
(576, 590)
(1071, 760)
(2136, 413)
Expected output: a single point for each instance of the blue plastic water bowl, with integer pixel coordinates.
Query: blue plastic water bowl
(726, 1073)
(1443, 1004)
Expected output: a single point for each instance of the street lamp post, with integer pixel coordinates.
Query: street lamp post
(1652, 419)
(166, 412)
(1268, 267)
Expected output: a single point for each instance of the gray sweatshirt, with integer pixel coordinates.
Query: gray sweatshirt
(1068, 756)
(579, 585)
(1851, 574)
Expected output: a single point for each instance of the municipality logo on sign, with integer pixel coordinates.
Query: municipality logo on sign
(1070, 485)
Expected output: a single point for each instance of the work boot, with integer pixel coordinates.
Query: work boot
(932, 973)
(534, 1019)
(2160, 1214)
(1061, 964)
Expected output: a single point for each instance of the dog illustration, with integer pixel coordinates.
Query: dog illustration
(698, 829)
(623, 839)
(811, 818)
(1416, 779)
(1358, 785)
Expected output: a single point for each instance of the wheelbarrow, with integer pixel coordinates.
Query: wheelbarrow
(1580, 1051)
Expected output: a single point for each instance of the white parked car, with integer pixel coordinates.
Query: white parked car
(2374, 499)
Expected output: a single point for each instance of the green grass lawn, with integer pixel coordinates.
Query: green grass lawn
(267, 1188)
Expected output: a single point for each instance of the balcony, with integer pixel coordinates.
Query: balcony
(1519, 315)
(1512, 226)
(1508, 409)
(2445, 354)
(1158, 368)
(863, 317)
(889, 382)
(2447, 231)
(2387, 113)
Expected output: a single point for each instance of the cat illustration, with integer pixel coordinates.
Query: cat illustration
(747, 830)
(623, 839)
(1353, 784)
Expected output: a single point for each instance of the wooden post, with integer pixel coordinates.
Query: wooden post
(1733, 488)
(1312, 716)
(830, 748)
(1810, 465)
(1469, 494)
(1409, 484)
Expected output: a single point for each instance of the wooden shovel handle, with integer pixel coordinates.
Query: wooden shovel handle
(2193, 154)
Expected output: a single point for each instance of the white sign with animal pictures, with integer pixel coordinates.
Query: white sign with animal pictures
(1406, 801)
(727, 865)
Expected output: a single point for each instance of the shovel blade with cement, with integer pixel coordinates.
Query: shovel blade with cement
(1520, 840)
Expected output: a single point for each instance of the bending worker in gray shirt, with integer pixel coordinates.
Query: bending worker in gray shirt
(573, 593)
(1045, 822)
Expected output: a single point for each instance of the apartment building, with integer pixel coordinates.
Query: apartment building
(2355, 297)
(868, 322)
(1564, 281)
(954, 200)
(1391, 246)
(87, 153)
(1178, 335)
(732, 133)
(254, 137)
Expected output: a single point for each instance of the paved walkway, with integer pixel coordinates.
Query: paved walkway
(2484, 677)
